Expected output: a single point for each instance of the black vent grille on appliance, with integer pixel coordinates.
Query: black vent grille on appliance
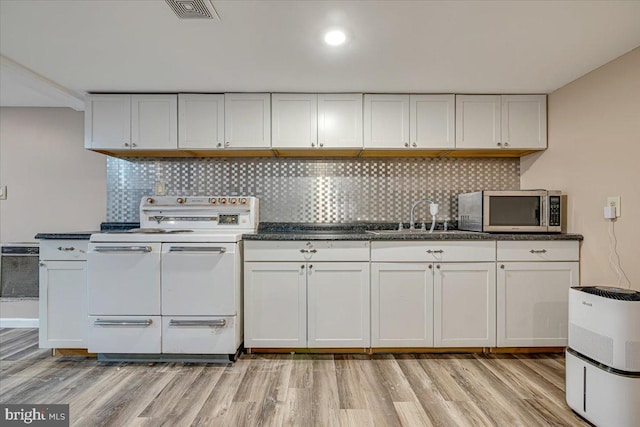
(612, 293)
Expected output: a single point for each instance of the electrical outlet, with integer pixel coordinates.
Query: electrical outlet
(161, 188)
(3, 192)
(614, 202)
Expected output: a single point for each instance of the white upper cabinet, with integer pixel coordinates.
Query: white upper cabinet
(107, 122)
(409, 121)
(247, 120)
(386, 121)
(294, 120)
(307, 120)
(501, 121)
(201, 121)
(154, 122)
(524, 121)
(340, 120)
(477, 121)
(432, 121)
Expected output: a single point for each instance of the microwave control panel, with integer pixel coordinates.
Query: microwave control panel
(554, 211)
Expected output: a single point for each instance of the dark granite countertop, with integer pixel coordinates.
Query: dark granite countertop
(75, 235)
(378, 231)
(105, 227)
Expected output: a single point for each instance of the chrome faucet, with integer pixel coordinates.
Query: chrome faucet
(412, 224)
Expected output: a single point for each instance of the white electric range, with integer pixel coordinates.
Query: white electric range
(172, 289)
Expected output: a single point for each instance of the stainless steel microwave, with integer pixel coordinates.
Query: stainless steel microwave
(519, 211)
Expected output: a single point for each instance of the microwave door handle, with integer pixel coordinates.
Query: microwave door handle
(544, 211)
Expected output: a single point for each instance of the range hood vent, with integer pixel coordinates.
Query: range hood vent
(193, 9)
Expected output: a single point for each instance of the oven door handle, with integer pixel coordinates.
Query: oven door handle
(123, 249)
(210, 323)
(146, 322)
(215, 249)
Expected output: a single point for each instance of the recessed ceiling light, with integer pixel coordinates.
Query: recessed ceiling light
(335, 38)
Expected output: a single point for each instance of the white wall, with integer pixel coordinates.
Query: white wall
(43, 162)
(594, 152)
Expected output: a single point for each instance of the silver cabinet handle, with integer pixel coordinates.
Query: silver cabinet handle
(430, 266)
(406, 144)
(506, 144)
(66, 249)
(305, 251)
(414, 145)
(226, 144)
(438, 251)
(123, 249)
(313, 145)
(210, 323)
(310, 266)
(321, 144)
(214, 249)
(132, 322)
(126, 144)
(499, 144)
(541, 251)
(502, 266)
(438, 266)
(219, 145)
(42, 264)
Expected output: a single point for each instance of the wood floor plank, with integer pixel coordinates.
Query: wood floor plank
(294, 390)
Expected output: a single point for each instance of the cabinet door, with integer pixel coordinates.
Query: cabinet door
(247, 120)
(524, 121)
(275, 304)
(154, 122)
(340, 120)
(432, 121)
(478, 121)
(107, 122)
(401, 305)
(63, 304)
(294, 120)
(338, 304)
(201, 124)
(533, 301)
(386, 121)
(465, 304)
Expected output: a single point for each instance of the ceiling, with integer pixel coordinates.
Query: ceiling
(73, 47)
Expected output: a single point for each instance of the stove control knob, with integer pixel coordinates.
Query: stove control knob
(233, 201)
(223, 201)
(243, 201)
(180, 200)
(150, 201)
(213, 201)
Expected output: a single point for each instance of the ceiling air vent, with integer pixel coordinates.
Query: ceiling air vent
(193, 9)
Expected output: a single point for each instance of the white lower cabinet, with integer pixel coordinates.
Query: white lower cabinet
(296, 296)
(533, 300)
(338, 304)
(401, 304)
(275, 304)
(63, 294)
(464, 307)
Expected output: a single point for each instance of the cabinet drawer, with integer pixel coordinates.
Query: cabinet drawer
(63, 250)
(124, 334)
(199, 335)
(433, 251)
(563, 250)
(306, 250)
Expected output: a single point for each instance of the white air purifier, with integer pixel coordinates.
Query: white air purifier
(603, 357)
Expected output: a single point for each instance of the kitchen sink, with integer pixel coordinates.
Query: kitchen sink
(417, 231)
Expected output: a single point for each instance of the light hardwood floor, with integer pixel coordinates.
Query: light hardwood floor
(292, 390)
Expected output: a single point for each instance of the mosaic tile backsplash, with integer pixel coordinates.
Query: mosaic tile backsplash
(312, 191)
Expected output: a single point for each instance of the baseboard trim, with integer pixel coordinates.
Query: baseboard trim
(19, 323)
